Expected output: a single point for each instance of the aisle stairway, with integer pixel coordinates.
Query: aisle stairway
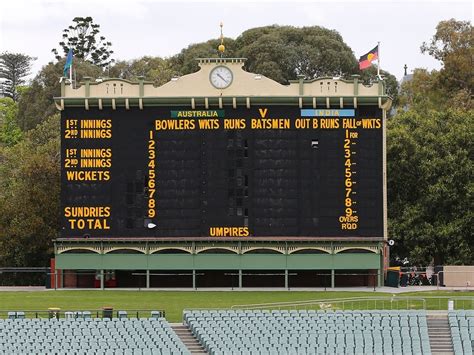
(187, 338)
(440, 334)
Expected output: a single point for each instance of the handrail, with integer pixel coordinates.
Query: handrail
(391, 299)
(321, 302)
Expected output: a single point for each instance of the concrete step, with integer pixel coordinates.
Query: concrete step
(188, 339)
(439, 333)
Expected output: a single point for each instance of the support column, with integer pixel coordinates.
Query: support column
(147, 278)
(333, 278)
(240, 278)
(102, 283)
(286, 279)
(194, 278)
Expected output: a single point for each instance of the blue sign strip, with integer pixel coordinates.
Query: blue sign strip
(327, 113)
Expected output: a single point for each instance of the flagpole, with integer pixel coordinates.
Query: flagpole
(70, 75)
(378, 60)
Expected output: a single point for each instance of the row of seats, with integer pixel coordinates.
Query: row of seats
(462, 331)
(310, 332)
(341, 313)
(89, 336)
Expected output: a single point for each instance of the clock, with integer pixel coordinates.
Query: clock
(221, 77)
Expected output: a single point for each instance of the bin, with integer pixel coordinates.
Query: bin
(393, 278)
(107, 312)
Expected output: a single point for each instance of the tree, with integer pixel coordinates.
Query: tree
(453, 45)
(155, 69)
(36, 103)
(431, 186)
(14, 67)
(185, 62)
(422, 91)
(83, 37)
(10, 133)
(29, 196)
(284, 52)
(390, 81)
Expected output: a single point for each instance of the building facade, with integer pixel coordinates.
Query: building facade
(223, 178)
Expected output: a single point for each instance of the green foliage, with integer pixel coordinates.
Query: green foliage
(37, 102)
(369, 75)
(10, 133)
(153, 69)
(452, 86)
(430, 150)
(453, 45)
(87, 44)
(430, 185)
(29, 196)
(422, 91)
(284, 52)
(14, 67)
(185, 62)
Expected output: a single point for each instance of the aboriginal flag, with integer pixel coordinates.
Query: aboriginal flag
(366, 60)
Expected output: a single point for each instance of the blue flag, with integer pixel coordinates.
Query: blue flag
(68, 64)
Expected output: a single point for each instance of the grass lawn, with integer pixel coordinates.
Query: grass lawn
(174, 302)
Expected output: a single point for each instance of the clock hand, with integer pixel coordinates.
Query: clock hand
(220, 76)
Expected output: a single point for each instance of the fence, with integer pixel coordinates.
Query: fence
(24, 276)
(105, 312)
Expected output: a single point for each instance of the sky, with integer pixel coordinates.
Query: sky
(159, 28)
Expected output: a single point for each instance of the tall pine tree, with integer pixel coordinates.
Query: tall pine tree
(14, 68)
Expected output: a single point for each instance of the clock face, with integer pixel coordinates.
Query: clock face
(221, 77)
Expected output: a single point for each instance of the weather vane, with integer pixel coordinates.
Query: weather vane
(221, 47)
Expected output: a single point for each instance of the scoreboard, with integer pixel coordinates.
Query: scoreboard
(276, 171)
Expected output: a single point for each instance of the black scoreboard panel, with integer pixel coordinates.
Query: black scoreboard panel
(265, 171)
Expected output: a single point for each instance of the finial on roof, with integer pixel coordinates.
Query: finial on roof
(221, 47)
(405, 67)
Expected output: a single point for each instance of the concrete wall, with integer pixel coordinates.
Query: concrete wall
(458, 276)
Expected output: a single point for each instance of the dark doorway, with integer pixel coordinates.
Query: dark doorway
(263, 278)
(130, 278)
(309, 278)
(217, 278)
(355, 278)
(171, 278)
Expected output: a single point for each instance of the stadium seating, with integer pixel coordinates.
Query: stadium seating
(462, 331)
(309, 331)
(89, 336)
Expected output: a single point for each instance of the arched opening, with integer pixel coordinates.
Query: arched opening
(80, 251)
(171, 251)
(356, 251)
(309, 251)
(125, 251)
(263, 251)
(217, 251)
